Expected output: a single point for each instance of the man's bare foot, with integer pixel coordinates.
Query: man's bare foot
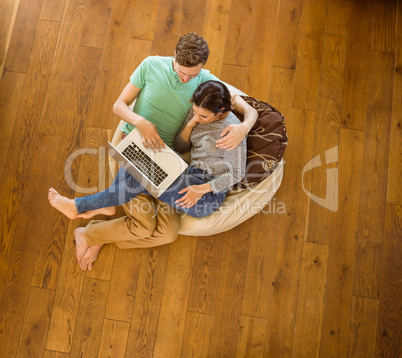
(89, 257)
(81, 245)
(86, 255)
(65, 205)
(111, 210)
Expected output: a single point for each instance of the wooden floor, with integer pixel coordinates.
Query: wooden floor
(309, 282)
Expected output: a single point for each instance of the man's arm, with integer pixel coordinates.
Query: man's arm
(149, 134)
(234, 134)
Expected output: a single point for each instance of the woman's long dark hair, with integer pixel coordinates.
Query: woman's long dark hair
(213, 96)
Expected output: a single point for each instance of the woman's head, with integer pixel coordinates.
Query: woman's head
(213, 97)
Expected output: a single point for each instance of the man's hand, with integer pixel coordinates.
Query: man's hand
(232, 136)
(149, 135)
(193, 193)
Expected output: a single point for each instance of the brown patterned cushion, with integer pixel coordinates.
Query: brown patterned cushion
(266, 143)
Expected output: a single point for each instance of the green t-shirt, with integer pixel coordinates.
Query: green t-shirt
(163, 99)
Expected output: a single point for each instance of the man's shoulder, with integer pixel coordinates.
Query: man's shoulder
(158, 59)
(206, 75)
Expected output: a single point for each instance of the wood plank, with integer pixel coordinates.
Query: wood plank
(123, 285)
(47, 265)
(26, 241)
(51, 354)
(75, 107)
(252, 337)
(95, 27)
(324, 180)
(374, 177)
(338, 293)
(389, 330)
(394, 192)
(260, 268)
(231, 283)
(175, 298)
(357, 72)
(281, 90)
(261, 48)
(20, 156)
(205, 274)
(58, 104)
(8, 13)
(90, 321)
(310, 303)
(114, 339)
(337, 16)
(52, 10)
(197, 334)
(144, 21)
(384, 26)
(167, 27)
(235, 75)
(238, 35)
(36, 321)
(67, 299)
(144, 324)
(309, 55)
(108, 81)
(4, 262)
(193, 17)
(215, 31)
(287, 33)
(290, 230)
(10, 93)
(362, 327)
(23, 35)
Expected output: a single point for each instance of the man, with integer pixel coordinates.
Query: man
(162, 88)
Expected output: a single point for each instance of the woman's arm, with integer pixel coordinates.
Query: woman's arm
(149, 134)
(188, 128)
(234, 134)
(181, 141)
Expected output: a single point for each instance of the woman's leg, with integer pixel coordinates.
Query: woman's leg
(208, 203)
(123, 189)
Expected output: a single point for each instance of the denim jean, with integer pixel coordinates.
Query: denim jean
(125, 188)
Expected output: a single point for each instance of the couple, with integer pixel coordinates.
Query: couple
(163, 88)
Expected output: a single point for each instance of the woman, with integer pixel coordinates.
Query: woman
(203, 187)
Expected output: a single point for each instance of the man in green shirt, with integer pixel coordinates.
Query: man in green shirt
(162, 88)
(163, 98)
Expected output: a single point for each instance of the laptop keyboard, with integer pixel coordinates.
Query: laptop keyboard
(145, 164)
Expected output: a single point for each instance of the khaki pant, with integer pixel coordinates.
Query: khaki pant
(150, 223)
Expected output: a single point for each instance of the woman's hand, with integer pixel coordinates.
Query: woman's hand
(193, 193)
(186, 132)
(232, 136)
(193, 122)
(149, 134)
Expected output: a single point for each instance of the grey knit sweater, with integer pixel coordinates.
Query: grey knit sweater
(227, 166)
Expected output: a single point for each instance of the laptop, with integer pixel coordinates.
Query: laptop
(155, 171)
